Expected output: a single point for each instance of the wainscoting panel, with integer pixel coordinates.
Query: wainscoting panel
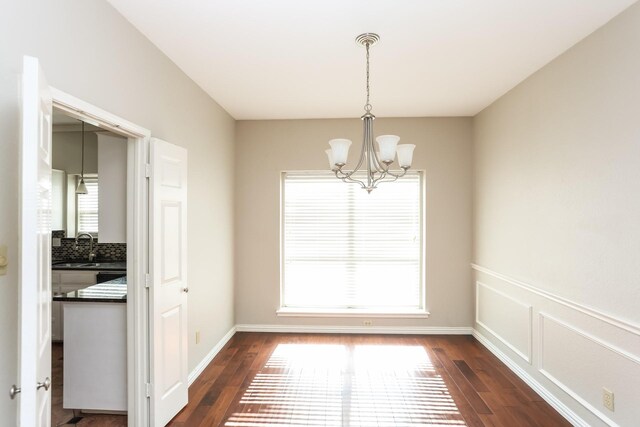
(568, 354)
(506, 318)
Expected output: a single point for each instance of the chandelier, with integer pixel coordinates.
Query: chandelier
(375, 164)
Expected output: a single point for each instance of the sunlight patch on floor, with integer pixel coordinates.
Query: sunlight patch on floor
(328, 385)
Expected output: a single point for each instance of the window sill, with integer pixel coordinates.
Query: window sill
(315, 312)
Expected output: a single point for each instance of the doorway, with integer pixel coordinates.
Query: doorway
(156, 260)
(136, 239)
(89, 273)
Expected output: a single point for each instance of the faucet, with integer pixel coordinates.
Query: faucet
(91, 254)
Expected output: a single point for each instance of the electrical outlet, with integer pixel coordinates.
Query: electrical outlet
(197, 337)
(367, 323)
(607, 399)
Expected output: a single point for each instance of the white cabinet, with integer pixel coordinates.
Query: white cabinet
(95, 356)
(62, 282)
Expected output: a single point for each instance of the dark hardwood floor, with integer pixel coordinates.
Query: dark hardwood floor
(261, 379)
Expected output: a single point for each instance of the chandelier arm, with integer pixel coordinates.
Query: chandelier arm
(377, 164)
(380, 178)
(389, 178)
(355, 169)
(398, 175)
(369, 148)
(346, 177)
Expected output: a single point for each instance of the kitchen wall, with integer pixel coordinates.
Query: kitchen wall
(112, 185)
(90, 51)
(265, 148)
(67, 152)
(557, 224)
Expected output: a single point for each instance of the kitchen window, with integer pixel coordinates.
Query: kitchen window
(346, 252)
(87, 210)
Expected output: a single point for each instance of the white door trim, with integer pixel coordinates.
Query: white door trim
(137, 246)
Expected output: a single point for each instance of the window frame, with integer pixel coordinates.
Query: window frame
(421, 312)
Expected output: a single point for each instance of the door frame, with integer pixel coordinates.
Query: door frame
(138, 355)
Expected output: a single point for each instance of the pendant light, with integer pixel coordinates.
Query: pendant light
(375, 164)
(82, 188)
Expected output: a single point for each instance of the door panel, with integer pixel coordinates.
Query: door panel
(34, 357)
(168, 290)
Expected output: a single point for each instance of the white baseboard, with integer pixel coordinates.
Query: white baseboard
(551, 399)
(313, 329)
(209, 357)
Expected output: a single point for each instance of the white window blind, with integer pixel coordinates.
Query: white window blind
(346, 249)
(88, 207)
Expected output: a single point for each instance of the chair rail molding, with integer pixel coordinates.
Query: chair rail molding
(619, 323)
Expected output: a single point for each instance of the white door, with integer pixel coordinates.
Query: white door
(34, 359)
(169, 286)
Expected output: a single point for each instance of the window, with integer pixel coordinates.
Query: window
(347, 251)
(87, 212)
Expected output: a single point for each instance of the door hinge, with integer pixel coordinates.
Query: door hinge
(147, 170)
(147, 280)
(148, 389)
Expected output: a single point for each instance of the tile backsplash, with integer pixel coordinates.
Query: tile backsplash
(104, 251)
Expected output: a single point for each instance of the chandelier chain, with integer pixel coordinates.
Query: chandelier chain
(367, 106)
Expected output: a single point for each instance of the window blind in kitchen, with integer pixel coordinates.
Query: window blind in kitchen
(88, 207)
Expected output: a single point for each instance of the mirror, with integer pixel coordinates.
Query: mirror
(102, 211)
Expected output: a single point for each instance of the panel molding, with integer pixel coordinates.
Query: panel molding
(549, 397)
(564, 387)
(611, 320)
(526, 357)
(314, 329)
(611, 347)
(195, 373)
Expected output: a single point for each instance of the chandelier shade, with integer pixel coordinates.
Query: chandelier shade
(375, 164)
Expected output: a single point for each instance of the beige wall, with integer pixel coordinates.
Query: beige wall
(91, 52)
(557, 182)
(265, 148)
(557, 209)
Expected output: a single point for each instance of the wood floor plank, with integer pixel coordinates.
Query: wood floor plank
(465, 386)
(261, 379)
(471, 376)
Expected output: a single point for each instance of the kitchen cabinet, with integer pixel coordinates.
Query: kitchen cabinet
(62, 282)
(95, 350)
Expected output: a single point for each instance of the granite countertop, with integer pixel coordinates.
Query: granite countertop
(85, 265)
(112, 291)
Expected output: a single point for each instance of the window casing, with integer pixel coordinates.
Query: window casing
(344, 251)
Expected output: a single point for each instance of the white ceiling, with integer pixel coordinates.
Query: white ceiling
(282, 59)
